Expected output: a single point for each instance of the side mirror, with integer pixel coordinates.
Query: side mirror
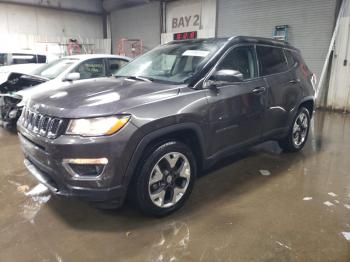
(72, 77)
(227, 76)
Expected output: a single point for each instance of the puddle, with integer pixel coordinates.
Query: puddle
(35, 202)
(32, 207)
(172, 244)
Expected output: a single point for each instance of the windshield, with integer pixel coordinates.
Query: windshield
(55, 68)
(175, 63)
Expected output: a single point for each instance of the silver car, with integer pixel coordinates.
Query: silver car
(59, 73)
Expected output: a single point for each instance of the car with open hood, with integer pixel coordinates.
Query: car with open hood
(56, 74)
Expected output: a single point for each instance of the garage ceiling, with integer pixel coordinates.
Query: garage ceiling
(88, 6)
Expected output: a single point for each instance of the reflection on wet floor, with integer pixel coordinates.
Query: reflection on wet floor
(259, 205)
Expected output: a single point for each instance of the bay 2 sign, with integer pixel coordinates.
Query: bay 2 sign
(183, 16)
(182, 22)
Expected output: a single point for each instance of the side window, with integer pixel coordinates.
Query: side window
(23, 58)
(241, 59)
(92, 68)
(290, 58)
(41, 59)
(114, 64)
(271, 60)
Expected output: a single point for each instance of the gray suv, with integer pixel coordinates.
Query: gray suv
(166, 116)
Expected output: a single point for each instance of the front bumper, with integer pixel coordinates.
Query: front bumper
(44, 158)
(115, 194)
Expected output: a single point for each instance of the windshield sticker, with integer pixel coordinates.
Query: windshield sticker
(199, 53)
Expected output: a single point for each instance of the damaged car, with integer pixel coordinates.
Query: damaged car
(57, 74)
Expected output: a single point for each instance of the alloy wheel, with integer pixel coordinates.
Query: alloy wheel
(300, 129)
(169, 180)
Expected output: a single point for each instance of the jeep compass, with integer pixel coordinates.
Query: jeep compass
(164, 117)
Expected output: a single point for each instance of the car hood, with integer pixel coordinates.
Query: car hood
(40, 88)
(100, 97)
(19, 81)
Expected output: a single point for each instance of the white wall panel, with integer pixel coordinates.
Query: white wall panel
(36, 28)
(338, 97)
(21, 19)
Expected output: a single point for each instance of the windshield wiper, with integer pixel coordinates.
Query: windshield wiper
(141, 78)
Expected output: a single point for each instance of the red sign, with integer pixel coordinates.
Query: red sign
(185, 35)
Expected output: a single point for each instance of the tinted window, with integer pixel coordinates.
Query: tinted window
(3, 59)
(23, 59)
(92, 68)
(115, 64)
(41, 59)
(290, 58)
(240, 59)
(271, 60)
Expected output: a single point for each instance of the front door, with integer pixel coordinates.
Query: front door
(236, 109)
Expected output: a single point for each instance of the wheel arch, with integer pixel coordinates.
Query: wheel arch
(188, 133)
(309, 104)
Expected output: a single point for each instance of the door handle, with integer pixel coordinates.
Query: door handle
(259, 90)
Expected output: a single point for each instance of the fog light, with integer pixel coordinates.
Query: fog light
(85, 168)
(87, 161)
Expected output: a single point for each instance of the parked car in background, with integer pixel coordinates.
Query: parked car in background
(171, 112)
(22, 61)
(57, 74)
(21, 57)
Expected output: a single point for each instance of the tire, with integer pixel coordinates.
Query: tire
(164, 179)
(298, 133)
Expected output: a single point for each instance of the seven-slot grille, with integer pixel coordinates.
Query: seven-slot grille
(40, 124)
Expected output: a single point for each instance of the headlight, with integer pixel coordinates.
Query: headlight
(100, 126)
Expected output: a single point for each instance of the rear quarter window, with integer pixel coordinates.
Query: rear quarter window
(271, 60)
(290, 58)
(19, 58)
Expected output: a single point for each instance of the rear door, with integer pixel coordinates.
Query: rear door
(283, 88)
(236, 109)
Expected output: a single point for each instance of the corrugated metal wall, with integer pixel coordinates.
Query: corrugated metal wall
(311, 23)
(142, 22)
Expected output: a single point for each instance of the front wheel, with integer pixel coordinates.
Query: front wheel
(298, 133)
(165, 178)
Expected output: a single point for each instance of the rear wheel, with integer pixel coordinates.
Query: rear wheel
(297, 136)
(165, 178)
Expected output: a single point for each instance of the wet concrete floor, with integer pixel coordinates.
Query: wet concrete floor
(299, 210)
